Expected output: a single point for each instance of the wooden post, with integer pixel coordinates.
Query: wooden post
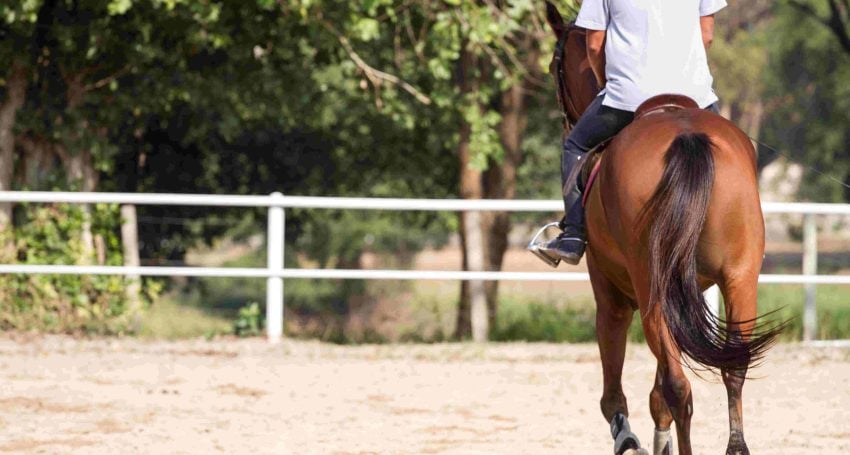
(810, 267)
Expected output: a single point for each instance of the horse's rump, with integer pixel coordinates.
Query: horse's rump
(673, 219)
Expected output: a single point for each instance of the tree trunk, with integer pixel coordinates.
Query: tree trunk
(463, 324)
(473, 293)
(16, 86)
(471, 187)
(500, 182)
(750, 117)
(79, 170)
(37, 162)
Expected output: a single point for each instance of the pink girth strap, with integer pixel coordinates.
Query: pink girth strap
(591, 179)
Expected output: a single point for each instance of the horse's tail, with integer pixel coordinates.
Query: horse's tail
(675, 215)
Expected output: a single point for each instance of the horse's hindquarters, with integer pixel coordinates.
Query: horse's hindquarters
(733, 234)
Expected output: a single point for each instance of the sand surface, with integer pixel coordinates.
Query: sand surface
(62, 395)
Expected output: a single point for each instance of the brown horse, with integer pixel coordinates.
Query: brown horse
(674, 210)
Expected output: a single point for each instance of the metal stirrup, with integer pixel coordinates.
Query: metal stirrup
(535, 247)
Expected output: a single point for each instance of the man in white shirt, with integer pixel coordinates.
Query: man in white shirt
(637, 49)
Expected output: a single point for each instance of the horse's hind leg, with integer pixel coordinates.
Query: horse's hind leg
(740, 297)
(662, 444)
(670, 399)
(614, 313)
(734, 382)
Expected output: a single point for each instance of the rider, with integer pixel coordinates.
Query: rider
(637, 49)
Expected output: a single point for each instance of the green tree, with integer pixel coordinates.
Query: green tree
(833, 14)
(739, 58)
(372, 98)
(808, 81)
(477, 63)
(82, 73)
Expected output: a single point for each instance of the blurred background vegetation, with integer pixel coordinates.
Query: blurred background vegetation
(377, 98)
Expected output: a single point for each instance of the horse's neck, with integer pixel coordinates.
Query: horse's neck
(581, 83)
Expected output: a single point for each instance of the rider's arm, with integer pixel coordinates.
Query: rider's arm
(595, 17)
(706, 23)
(707, 10)
(596, 54)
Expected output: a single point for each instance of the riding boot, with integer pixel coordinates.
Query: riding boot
(569, 245)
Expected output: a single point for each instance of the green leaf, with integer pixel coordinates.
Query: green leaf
(367, 29)
(119, 7)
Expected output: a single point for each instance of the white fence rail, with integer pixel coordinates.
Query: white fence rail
(275, 272)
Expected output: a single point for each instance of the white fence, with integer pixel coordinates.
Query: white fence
(275, 272)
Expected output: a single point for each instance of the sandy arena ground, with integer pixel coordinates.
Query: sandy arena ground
(61, 395)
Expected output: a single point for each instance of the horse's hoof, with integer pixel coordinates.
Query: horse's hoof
(736, 445)
(636, 452)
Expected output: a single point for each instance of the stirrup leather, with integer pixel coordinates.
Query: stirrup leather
(535, 246)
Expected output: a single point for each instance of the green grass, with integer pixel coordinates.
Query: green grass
(169, 319)
(534, 321)
(787, 301)
(520, 318)
(528, 320)
(203, 307)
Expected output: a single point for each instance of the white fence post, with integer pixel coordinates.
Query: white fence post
(274, 284)
(712, 297)
(810, 267)
(479, 320)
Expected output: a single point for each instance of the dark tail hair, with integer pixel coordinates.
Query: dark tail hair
(675, 215)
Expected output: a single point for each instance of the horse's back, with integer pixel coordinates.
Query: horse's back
(733, 233)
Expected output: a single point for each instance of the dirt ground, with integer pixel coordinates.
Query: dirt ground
(62, 395)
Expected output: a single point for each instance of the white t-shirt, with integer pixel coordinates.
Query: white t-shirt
(652, 47)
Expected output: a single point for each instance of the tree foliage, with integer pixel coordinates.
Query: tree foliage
(64, 303)
(810, 109)
(380, 98)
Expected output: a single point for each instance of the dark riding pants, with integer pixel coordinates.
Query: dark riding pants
(596, 124)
